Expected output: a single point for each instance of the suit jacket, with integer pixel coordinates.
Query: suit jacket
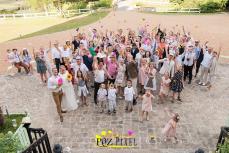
(131, 69)
(134, 52)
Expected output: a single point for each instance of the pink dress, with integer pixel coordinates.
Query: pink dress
(165, 86)
(142, 75)
(147, 103)
(170, 129)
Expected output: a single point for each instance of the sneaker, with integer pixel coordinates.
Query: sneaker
(114, 111)
(200, 83)
(109, 112)
(189, 82)
(204, 84)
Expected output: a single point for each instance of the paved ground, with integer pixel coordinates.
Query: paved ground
(202, 114)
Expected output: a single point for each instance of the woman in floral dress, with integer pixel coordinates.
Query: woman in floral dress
(177, 83)
(150, 83)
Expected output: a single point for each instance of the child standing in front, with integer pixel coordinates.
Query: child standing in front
(82, 89)
(129, 96)
(146, 105)
(102, 97)
(112, 99)
(169, 130)
(165, 84)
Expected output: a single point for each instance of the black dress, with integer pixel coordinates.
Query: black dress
(176, 83)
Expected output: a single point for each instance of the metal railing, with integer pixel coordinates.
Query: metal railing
(170, 10)
(39, 141)
(181, 10)
(224, 133)
(45, 14)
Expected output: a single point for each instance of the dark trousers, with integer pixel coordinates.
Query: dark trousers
(188, 72)
(197, 66)
(57, 63)
(96, 88)
(111, 81)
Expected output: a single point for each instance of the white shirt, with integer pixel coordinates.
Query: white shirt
(84, 41)
(207, 60)
(102, 93)
(99, 76)
(55, 53)
(138, 58)
(156, 60)
(53, 83)
(168, 66)
(112, 94)
(190, 56)
(17, 58)
(65, 53)
(178, 59)
(82, 67)
(129, 93)
(10, 57)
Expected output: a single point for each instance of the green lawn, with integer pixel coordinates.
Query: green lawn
(71, 24)
(8, 123)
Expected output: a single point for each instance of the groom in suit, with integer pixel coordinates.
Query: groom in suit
(57, 92)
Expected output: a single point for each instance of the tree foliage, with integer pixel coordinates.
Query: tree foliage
(204, 5)
(9, 143)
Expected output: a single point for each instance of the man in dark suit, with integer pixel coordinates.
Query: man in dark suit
(134, 50)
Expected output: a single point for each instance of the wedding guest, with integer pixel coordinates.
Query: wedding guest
(212, 71)
(146, 105)
(168, 65)
(99, 74)
(131, 71)
(41, 66)
(26, 58)
(55, 85)
(205, 65)
(102, 97)
(112, 67)
(56, 55)
(169, 131)
(150, 82)
(199, 60)
(66, 54)
(177, 83)
(189, 58)
(134, 50)
(120, 78)
(80, 66)
(44, 52)
(129, 94)
(76, 42)
(18, 62)
(69, 102)
(82, 89)
(142, 75)
(165, 85)
(112, 99)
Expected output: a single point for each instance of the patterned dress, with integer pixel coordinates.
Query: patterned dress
(176, 83)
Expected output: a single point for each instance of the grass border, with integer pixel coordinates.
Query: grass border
(71, 24)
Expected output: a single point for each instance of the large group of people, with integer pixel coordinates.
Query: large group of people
(135, 65)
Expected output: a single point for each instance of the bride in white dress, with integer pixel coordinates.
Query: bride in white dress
(69, 101)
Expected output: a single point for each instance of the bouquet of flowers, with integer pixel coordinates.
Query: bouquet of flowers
(60, 81)
(69, 77)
